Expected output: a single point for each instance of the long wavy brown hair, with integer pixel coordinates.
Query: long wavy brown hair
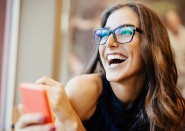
(164, 104)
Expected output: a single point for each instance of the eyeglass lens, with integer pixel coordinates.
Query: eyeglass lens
(121, 34)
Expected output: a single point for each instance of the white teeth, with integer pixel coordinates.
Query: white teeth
(110, 57)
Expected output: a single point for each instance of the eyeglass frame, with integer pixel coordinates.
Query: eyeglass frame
(113, 33)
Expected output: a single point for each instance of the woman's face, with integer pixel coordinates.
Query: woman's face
(128, 64)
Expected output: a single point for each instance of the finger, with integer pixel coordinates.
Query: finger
(53, 93)
(56, 97)
(29, 119)
(47, 127)
(52, 89)
(48, 81)
(20, 108)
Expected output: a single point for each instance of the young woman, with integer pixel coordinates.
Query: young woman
(134, 87)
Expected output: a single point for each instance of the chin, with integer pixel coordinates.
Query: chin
(114, 77)
(123, 76)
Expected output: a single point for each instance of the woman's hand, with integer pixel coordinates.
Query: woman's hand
(66, 118)
(33, 122)
(60, 104)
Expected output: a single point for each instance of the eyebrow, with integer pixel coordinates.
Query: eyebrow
(120, 26)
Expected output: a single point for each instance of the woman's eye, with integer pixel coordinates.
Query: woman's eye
(105, 33)
(102, 33)
(126, 32)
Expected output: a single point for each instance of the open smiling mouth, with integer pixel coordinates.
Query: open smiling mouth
(115, 59)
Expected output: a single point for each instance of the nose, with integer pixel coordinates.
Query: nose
(111, 41)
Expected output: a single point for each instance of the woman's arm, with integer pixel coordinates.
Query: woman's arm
(83, 92)
(60, 105)
(69, 105)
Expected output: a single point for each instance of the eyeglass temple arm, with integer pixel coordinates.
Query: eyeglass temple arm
(138, 30)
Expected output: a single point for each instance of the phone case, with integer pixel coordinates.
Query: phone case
(34, 99)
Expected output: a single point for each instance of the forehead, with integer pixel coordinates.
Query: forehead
(122, 16)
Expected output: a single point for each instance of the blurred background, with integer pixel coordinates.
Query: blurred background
(54, 38)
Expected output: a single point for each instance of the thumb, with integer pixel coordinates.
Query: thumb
(20, 108)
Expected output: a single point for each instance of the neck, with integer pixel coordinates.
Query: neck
(128, 90)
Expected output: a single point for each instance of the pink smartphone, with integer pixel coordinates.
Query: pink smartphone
(35, 100)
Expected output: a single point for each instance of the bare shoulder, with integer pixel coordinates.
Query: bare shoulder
(83, 92)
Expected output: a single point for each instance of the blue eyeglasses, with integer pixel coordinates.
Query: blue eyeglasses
(122, 34)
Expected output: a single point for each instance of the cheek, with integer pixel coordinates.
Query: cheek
(138, 63)
(135, 46)
(101, 52)
(136, 54)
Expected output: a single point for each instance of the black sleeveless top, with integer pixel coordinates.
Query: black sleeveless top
(112, 115)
